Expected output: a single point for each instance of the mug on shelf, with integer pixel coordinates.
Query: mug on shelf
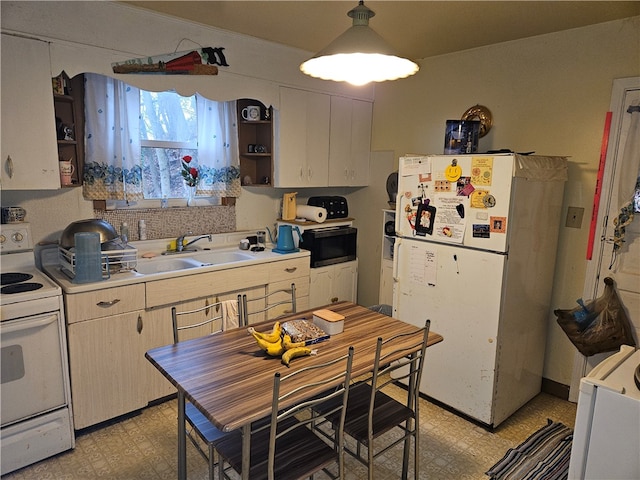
(251, 113)
(66, 171)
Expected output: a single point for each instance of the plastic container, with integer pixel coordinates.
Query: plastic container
(142, 230)
(329, 321)
(124, 232)
(88, 266)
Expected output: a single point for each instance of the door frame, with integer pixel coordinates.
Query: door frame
(591, 281)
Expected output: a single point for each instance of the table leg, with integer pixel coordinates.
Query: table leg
(246, 451)
(182, 438)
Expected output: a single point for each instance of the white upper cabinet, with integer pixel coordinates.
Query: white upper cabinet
(349, 142)
(302, 130)
(29, 148)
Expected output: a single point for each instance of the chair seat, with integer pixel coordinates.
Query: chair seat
(388, 413)
(206, 430)
(299, 453)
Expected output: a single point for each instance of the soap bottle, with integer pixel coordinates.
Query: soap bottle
(124, 232)
(142, 230)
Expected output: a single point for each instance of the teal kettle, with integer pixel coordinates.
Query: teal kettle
(284, 242)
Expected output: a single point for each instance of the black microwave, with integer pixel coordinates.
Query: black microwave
(330, 245)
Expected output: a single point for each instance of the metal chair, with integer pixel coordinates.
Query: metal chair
(208, 320)
(285, 447)
(284, 296)
(371, 413)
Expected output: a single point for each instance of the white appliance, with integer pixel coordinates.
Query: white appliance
(606, 437)
(35, 393)
(476, 253)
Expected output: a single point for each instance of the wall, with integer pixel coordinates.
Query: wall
(548, 94)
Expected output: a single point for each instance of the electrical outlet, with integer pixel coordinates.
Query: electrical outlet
(574, 217)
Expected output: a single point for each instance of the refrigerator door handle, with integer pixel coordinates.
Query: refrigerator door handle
(398, 213)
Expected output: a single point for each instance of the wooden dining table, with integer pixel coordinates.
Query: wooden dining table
(230, 379)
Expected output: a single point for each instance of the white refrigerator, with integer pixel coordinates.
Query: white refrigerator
(475, 254)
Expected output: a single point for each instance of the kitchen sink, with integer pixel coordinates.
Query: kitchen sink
(168, 265)
(216, 258)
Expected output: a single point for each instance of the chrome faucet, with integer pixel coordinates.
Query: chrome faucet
(181, 247)
(180, 240)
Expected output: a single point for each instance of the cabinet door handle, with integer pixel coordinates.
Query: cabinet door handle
(218, 304)
(108, 304)
(290, 269)
(206, 304)
(139, 325)
(10, 166)
(334, 299)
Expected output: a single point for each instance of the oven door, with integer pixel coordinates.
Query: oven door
(32, 367)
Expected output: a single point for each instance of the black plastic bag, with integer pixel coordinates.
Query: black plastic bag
(599, 326)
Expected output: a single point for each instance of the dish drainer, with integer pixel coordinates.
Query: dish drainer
(113, 261)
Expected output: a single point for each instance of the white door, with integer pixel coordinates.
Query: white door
(622, 265)
(460, 291)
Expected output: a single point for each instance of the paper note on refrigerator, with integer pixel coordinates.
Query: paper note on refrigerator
(450, 222)
(423, 263)
(481, 171)
(415, 166)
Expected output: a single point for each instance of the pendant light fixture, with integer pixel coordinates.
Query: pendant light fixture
(359, 55)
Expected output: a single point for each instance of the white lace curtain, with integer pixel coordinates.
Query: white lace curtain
(112, 169)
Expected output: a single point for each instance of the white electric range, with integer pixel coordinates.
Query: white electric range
(35, 391)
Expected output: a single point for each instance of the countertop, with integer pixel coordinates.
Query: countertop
(52, 268)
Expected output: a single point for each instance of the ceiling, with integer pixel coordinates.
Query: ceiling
(417, 29)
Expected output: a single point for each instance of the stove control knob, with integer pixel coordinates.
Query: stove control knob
(17, 237)
(2, 238)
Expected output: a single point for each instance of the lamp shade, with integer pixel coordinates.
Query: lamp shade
(359, 55)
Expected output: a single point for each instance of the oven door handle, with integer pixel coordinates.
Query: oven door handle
(14, 326)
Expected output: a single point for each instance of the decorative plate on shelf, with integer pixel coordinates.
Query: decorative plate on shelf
(481, 113)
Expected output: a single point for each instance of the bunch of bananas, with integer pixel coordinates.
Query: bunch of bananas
(278, 344)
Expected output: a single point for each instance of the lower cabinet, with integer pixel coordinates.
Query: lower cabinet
(334, 283)
(106, 360)
(110, 329)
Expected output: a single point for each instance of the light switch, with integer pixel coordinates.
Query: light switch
(574, 217)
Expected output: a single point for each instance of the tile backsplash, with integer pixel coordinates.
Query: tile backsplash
(174, 221)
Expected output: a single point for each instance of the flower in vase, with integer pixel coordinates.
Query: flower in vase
(190, 174)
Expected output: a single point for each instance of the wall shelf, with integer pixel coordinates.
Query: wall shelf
(256, 169)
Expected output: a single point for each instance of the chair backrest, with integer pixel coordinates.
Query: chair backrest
(332, 378)
(265, 303)
(208, 319)
(410, 347)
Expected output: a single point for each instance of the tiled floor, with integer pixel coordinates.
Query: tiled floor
(143, 446)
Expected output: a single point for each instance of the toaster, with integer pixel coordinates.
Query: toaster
(336, 207)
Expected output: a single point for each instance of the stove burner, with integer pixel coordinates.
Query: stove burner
(20, 288)
(14, 277)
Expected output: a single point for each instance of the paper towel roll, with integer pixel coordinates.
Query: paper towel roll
(316, 214)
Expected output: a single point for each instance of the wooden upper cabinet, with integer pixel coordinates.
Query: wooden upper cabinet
(323, 140)
(350, 142)
(29, 150)
(303, 132)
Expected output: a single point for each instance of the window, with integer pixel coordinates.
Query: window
(168, 132)
(136, 140)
